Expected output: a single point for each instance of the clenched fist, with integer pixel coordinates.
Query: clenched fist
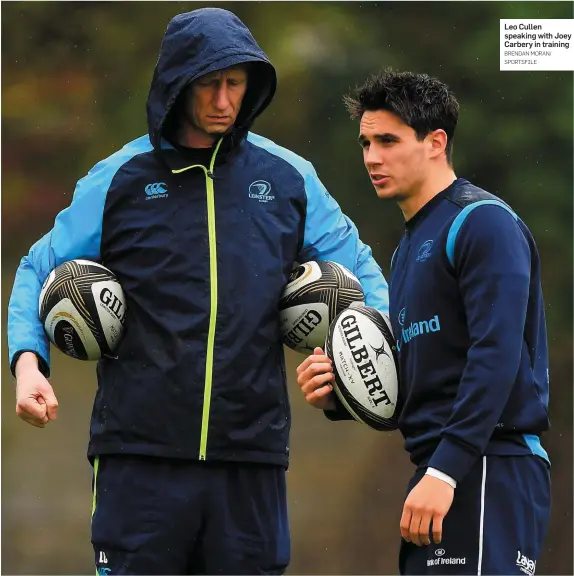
(36, 402)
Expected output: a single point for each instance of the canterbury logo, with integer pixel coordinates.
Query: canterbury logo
(156, 190)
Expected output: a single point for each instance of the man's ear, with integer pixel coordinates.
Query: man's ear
(438, 141)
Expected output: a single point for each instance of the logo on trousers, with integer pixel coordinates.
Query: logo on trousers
(156, 190)
(441, 560)
(525, 564)
(103, 559)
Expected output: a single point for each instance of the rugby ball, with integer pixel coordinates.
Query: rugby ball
(82, 308)
(315, 294)
(361, 345)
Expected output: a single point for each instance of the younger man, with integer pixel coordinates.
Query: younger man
(468, 316)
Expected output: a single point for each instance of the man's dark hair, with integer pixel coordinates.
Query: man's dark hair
(423, 103)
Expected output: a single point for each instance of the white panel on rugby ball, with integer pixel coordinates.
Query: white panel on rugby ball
(365, 366)
(304, 327)
(110, 304)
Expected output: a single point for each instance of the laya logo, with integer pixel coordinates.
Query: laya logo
(525, 564)
(156, 190)
(415, 328)
(425, 251)
(260, 190)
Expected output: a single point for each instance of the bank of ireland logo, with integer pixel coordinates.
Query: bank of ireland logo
(402, 316)
(260, 190)
(424, 251)
(156, 190)
(441, 559)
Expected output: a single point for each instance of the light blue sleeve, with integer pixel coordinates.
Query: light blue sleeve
(330, 235)
(76, 233)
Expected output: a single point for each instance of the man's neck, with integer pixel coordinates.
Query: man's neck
(190, 137)
(428, 190)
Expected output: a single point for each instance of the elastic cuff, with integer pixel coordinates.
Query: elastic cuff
(452, 459)
(43, 366)
(441, 476)
(340, 412)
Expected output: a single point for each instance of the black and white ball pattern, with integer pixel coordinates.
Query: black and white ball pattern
(316, 292)
(82, 308)
(362, 347)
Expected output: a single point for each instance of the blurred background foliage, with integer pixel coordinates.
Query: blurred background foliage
(75, 78)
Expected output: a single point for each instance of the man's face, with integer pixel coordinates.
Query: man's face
(396, 161)
(214, 100)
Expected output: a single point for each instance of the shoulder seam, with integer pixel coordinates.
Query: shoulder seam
(459, 219)
(115, 162)
(296, 159)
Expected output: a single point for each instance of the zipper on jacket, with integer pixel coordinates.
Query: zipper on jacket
(213, 296)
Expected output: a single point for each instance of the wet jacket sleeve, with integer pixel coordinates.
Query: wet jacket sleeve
(330, 235)
(491, 258)
(76, 234)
